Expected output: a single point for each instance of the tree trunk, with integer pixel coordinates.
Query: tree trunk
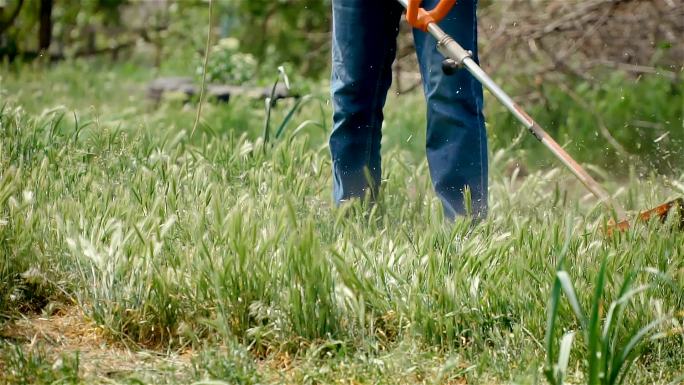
(45, 31)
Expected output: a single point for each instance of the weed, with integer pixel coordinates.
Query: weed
(35, 367)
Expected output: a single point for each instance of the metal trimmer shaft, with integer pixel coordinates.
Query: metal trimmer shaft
(463, 58)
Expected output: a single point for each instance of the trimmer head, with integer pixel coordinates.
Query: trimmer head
(661, 212)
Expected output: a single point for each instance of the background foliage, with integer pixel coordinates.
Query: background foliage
(557, 56)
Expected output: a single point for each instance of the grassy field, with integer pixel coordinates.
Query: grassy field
(134, 252)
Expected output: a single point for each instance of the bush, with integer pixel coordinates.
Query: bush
(623, 122)
(228, 65)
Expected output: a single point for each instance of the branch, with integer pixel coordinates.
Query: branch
(601, 123)
(636, 68)
(5, 25)
(30, 55)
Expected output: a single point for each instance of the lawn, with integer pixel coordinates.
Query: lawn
(133, 250)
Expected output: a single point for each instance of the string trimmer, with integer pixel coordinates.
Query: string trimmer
(457, 57)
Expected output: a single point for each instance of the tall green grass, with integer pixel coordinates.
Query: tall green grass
(171, 241)
(167, 243)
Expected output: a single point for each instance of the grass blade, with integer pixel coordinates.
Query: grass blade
(627, 354)
(569, 291)
(564, 355)
(550, 331)
(594, 328)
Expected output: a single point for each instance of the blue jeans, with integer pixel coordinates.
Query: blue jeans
(364, 47)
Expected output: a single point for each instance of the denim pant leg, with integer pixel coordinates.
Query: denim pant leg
(364, 47)
(456, 136)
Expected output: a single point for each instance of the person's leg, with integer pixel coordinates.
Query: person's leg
(456, 137)
(364, 47)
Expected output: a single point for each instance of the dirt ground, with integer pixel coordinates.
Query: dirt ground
(69, 332)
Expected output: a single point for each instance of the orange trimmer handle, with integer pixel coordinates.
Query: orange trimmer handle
(420, 18)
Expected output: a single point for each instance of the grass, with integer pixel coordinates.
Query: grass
(229, 248)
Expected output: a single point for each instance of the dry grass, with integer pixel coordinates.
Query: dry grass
(70, 332)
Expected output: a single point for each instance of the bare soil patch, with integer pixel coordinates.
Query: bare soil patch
(70, 332)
